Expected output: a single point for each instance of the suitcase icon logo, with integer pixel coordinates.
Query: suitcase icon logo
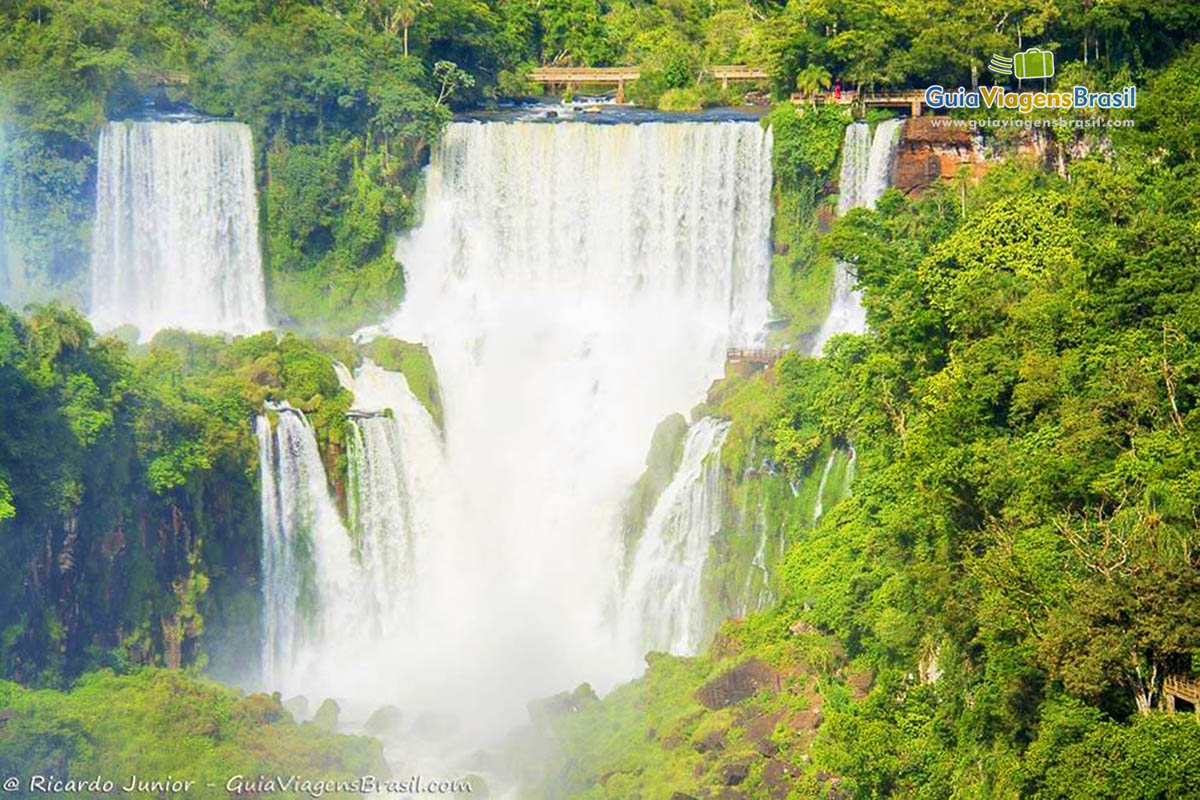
(1031, 63)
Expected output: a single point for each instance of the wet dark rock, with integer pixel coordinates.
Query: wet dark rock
(734, 773)
(711, 742)
(760, 730)
(735, 685)
(779, 776)
(806, 721)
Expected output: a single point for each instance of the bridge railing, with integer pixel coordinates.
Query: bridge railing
(760, 355)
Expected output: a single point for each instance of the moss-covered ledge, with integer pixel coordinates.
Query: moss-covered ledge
(416, 364)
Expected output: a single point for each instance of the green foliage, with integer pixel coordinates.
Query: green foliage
(342, 122)
(130, 482)
(159, 723)
(1016, 570)
(416, 364)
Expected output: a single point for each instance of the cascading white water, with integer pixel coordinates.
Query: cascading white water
(663, 608)
(396, 473)
(175, 243)
(819, 506)
(332, 593)
(310, 581)
(575, 284)
(380, 513)
(856, 156)
(866, 174)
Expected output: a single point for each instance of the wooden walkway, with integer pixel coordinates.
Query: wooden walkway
(570, 77)
(913, 100)
(754, 356)
(1176, 689)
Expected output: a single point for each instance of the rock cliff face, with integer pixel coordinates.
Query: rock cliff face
(930, 152)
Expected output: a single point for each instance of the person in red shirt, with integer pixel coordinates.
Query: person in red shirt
(837, 90)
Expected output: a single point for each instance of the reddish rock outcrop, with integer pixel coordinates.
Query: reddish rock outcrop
(930, 152)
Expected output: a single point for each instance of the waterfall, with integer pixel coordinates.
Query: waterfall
(575, 284)
(395, 459)
(756, 591)
(175, 243)
(310, 587)
(333, 593)
(866, 174)
(819, 506)
(663, 607)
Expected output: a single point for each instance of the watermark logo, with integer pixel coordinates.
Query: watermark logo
(1031, 63)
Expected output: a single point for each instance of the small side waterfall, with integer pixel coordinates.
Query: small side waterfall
(819, 506)
(310, 586)
(175, 243)
(380, 511)
(336, 593)
(395, 463)
(866, 174)
(663, 608)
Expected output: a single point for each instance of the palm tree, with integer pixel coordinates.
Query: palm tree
(812, 79)
(406, 14)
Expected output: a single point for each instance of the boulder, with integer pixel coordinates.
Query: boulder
(779, 777)
(734, 772)
(326, 717)
(562, 703)
(298, 707)
(760, 730)
(384, 720)
(738, 684)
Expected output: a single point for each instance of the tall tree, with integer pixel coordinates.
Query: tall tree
(813, 79)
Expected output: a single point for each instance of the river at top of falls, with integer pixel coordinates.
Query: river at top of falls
(866, 173)
(575, 284)
(175, 243)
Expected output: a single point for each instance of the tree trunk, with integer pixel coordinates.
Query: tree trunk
(1145, 688)
(406, 41)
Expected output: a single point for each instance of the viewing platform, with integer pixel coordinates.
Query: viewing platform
(570, 77)
(1180, 694)
(913, 100)
(747, 361)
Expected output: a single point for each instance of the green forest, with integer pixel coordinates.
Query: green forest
(990, 610)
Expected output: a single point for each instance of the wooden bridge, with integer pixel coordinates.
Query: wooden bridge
(570, 77)
(913, 100)
(747, 361)
(1180, 694)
